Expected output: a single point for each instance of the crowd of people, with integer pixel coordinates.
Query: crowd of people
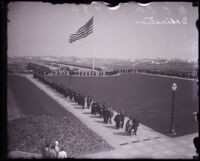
(52, 151)
(104, 112)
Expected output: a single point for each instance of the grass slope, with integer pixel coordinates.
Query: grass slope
(46, 120)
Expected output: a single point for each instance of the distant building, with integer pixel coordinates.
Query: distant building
(81, 70)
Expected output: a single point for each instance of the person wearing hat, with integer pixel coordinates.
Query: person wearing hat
(52, 153)
(57, 149)
(136, 122)
(117, 120)
(122, 116)
(111, 114)
(45, 150)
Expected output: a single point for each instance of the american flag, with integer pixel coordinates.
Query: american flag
(82, 32)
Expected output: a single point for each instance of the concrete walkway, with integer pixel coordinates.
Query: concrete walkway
(147, 144)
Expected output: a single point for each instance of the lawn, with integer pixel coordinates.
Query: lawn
(149, 97)
(44, 119)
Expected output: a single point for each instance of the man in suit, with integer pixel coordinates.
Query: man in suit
(136, 122)
(117, 119)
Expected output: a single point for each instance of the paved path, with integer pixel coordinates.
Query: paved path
(147, 144)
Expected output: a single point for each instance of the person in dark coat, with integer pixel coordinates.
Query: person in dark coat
(89, 101)
(111, 114)
(196, 142)
(52, 152)
(100, 110)
(106, 113)
(77, 98)
(93, 107)
(136, 122)
(117, 120)
(45, 150)
(81, 100)
(67, 92)
(122, 116)
(71, 95)
(104, 105)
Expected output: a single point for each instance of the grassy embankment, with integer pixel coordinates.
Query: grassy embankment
(44, 119)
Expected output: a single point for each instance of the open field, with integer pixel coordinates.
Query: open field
(149, 97)
(170, 66)
(44, 119)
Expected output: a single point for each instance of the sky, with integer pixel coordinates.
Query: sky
(159, 30)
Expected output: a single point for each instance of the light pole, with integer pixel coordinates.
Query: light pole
(172, 129)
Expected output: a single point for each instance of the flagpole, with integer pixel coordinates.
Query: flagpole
(93, 43)
(93, 54)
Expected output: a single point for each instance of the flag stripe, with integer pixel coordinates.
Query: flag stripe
(81, 36)
(74, 36)
(82, 32)
(77, 37)
(89, 23)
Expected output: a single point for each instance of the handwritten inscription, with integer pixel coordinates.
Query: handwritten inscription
(166, 21)
(182, 10)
